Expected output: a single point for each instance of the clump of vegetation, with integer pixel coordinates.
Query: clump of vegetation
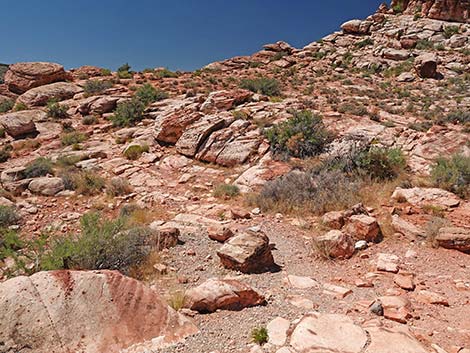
(72, 138)
(302, 136)
(106, 72)
(133, 152)
(55, 110)
(118, 187)
(20, 106)
(432, 229)
(5, 153)
(8, 216)
(39, 167)
(10, 243)
(87, 183)
(424, 44)
(380, 163)
(449, 31)
(165, 73)
(456, 117)
(89, 120)
(177, 299)
(128, 113)
(6, 105)
(353, 108)
(93, 87)
(260, 335)
(226, 190)
(148, 94)
(398, 7)
(124, 71)
(101, 244)
(262, 85)
(452, 174)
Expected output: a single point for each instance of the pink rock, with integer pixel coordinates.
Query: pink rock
(363, 227)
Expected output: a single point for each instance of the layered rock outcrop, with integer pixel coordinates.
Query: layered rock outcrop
(446, 10)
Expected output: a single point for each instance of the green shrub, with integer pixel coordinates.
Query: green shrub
(260, 335)
(106, 72)
(301, 136)
(380, 163)
(449, 31)
(8, 216)
(6, 105)
(72, 138)
(262, 85)
(5, 154)
(118, 187)
(452, 174)
(10, 243)
(89, 120)
(424, 44)
(133, 152)
(124, 71)
(148, 94)
(353, 108)
(55, 110)
(128, 113)
(87, 183)
(455, 117)
(39, 167)
(102, 244)
(364, 43)
(93, 87)
(165, 73)
(226, 191)
(19, 107)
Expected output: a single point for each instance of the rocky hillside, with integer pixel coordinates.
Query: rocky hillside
(296, 200)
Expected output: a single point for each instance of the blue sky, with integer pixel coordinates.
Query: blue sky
(178, 34)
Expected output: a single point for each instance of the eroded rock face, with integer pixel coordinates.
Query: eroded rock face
(92, 311)
(222, 294)
(454, 238)
(446, 10)
(55, 91)
(21, 77)
(19, 124)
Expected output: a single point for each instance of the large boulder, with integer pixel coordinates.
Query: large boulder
(356, 27)
(247, 252)
(58, 91)
(21, 77)
(454, 238)
(363, 227)
(46, 186)
(426, 196)
(22, 123)
(224, 294)
(426, 65)
(85, 311)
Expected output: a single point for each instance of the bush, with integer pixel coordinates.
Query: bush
(6, 105)
(449, 31)
(92, 87)
(10, 243)
(106, 72)
(19, 107)
(128, 113)
(124, 71)
(259, 335)
(5, 154)
(380, 163)
(133, 152)
(39, 167)
(226, 191)
(302, 136)
(263, 85)
(89, 120)
(456, 117)
(165, 73)
(73, 138)
(8, 216)
(353, 108)
(118, 187)
(452, 174)
(148, 94)
(87, 183)
(56, 111)
(102, 244)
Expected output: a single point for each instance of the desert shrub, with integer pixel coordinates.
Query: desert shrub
(89, 120)
(301, 136)
(118, 187)
(452, 174)
(176, 299)
(39, 167)
(55, 110)
(5, 154)
(260, 335)
(262, 85)
(128, 113)
(432, 229)
(8, 216)
(226, 190)
(106, 72)
(133, 152)
(449, 31)
(88, 183)
(124, 71)
(6, 105)
(352, 108)
(165, 73)
(420, 126)
(364, 43)
(101, 244)
(10, 243)
(424, 44)
(72, 138)
(148, 94)
(380, 163)
(92, 87)
(455, 117)
(20, 106)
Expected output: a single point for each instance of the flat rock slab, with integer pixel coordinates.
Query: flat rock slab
(426, 196)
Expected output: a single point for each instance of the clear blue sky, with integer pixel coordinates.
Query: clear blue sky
(178, 34)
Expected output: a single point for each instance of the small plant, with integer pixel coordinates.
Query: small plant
(165, 73)
(449, 31)
(177, 299)
(433, 227)
(20, 106)
(8, 216)
(424, 44)
(133, 152)
(380, 163)
(55, 110)
(260, 335)
(88, 183)
(455, 117)
(353, 108)
(118, 187)
(106, 72)
(148, 94)
(93, 87)
(10, 243)
(262, 85)
(322, 249)
(89, 120)
(5, 153)
(226, 191)
(39, 167)
(124, 72)
(73, 138)
(452, 174)
(128, 113)
(6, 105)
(302, 136)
